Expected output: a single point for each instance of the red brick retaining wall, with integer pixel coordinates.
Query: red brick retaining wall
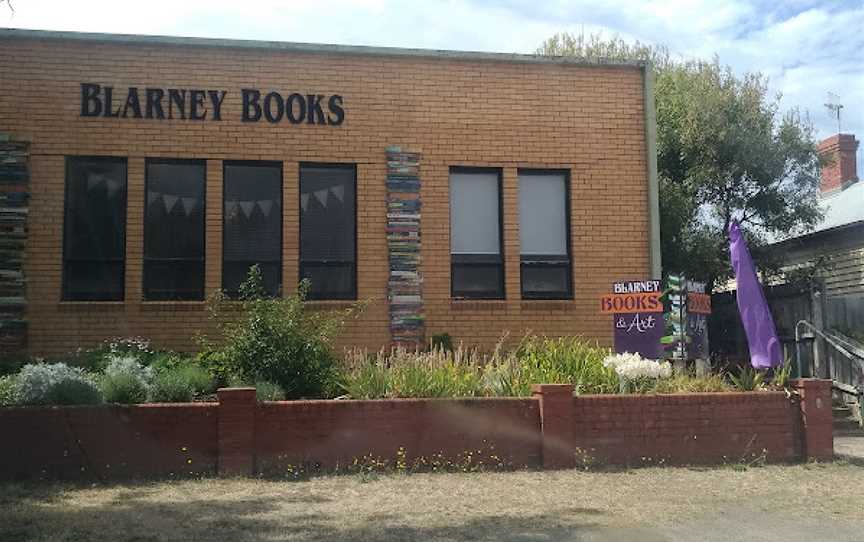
(238, 436)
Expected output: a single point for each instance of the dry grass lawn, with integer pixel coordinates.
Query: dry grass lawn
(781, 502)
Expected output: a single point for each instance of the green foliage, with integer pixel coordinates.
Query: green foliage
(782, 374)
(268, 391)
(747, 379)
(8, 390)
(688, 383)
(277, 340)
(54, 384)
(468, 373)
(441, 341)
(126, 381)
(11, 364)
(180, 384)
(724, 151)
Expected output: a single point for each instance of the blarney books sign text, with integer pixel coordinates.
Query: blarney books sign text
(205, 104)
(637, 313)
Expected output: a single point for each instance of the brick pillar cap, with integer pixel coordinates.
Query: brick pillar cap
(543, 389)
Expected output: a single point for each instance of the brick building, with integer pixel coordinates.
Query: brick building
(467, 193)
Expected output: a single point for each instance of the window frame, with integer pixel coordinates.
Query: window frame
(550, 261)
(203, 260)
(476, 260)
(281, 261)
(301, 263)
(64, 282)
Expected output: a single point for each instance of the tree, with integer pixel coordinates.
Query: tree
(724, 152)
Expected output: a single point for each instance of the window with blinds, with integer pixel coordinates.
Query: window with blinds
(476, 254)
(252, 224)
(328, 230)
(174, 230)
(544, 234)
(94, 229)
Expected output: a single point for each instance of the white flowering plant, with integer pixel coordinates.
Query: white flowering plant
(636, 373)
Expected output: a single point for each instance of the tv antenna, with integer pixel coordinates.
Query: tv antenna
(834, 106)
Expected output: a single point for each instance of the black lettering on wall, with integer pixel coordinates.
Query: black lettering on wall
(109, 104)
(196, 99)
(177, 98)
(300, 100)
(133, 103)
(280, 107)
(316, 114)
(91, 105)
(216, 97)
(154, 103)
(337, 113)
(251, 108)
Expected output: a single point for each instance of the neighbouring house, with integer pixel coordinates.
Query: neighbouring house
(463, 193)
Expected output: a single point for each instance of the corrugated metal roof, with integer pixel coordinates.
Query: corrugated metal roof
(843, 207)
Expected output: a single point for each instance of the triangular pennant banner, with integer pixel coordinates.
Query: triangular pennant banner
(170, 201)
(189, 204)
(94, 180)
(229, 207)
(338, 192)
(266, 206)
(304, 201)
(247, 207)
(113, 187)
(321, 195)
(153, 196)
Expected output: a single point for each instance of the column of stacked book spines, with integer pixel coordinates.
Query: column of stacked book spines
(405, 283)
(14, 197)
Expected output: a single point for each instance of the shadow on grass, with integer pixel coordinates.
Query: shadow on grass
(66, 513)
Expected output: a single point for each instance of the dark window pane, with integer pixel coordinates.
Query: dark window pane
(478, 281)
(174, 230)
(95, 228)
(93, 280)
(328, 230)
(177, 280)
(545, 281)
(252, 224)
(175, 210)
(327, 216)
(330, 281)
(234, 273)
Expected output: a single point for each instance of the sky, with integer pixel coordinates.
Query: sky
(806, 48)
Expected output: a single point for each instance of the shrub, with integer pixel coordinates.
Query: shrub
(8, 390)
(685, 383)
(126, 381)
(268, 391)
(278, 341)
(636, 374)
(55, 384)
(747, 379)
(565, 360)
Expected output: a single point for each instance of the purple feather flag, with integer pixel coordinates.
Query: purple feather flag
(765, 351)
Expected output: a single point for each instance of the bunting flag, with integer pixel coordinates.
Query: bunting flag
(152, 197)
(304, 201)
(189, 205)
(338, 192)
(247, 207)
(321, 196)
(170, 201)
(266, 206)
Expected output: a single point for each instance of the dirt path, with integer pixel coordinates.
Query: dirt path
(788, 503)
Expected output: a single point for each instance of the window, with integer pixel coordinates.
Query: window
(94, 229)
(174, 230)
(328, 232)
(544, 234)
(476, 262)
(252, 224)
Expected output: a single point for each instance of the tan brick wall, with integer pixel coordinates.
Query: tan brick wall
(468, 112)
